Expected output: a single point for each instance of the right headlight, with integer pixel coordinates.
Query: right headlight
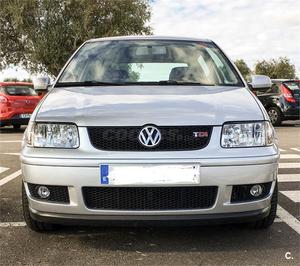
(52, 135)
(254, 134)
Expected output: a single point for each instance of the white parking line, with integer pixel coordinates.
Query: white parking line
(12, 224)
(289, 165)
(10, 141)
(282, 150)
(290, 156)
(4, 180)
(17, 153)
(296, 149)
(288, 219)
(289, 178)
(3, 169)
(294, 195)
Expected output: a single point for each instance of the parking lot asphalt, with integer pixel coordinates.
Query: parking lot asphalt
(202, 245)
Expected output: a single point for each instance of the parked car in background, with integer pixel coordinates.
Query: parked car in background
(17, 102)
(281, 100)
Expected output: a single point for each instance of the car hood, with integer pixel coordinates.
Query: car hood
(140, 105)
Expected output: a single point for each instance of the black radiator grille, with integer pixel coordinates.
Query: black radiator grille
(173, 138)
(149, 198)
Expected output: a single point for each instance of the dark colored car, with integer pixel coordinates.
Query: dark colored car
(282, 100)
(17, 102)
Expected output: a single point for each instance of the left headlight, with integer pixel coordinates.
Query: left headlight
(255, 134)
(52, 135)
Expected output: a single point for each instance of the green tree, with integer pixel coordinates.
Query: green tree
(243, 68)
(11, 80)
(27, 80)
(40, 35)
(280, 68)
(16, 80)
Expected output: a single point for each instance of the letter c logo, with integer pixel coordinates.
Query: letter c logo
(288, 255)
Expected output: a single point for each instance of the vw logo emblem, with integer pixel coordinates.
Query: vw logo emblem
(149, 136)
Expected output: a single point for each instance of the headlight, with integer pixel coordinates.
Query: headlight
(256, 134)
(51, 135)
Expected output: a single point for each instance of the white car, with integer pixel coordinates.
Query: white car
(149, 129)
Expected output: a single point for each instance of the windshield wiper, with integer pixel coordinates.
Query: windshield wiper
(175, 82)
(101, 83)
(87, 83)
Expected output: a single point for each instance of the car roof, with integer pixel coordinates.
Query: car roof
(149, 37)
(19, 83)
(284, 80)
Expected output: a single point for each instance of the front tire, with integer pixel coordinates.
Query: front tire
(275, 116)
(268, 221)
(34, 225)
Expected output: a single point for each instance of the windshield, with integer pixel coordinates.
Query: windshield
(20, 90)
(149, 62)
(293, 85)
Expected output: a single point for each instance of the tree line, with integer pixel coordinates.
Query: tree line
(40, 35)
(17, 80)
(280, 68)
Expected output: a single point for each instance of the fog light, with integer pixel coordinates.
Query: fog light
(256, 190)
(43, 192)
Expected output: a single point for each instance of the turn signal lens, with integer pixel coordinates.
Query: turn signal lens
(3, 99)
(287, 94)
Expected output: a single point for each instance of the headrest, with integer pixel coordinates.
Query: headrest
(178, 73)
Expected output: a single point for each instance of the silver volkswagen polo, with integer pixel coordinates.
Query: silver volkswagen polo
(147, 130)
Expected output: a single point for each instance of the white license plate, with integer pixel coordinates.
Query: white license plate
(25, 115)
(149, 174)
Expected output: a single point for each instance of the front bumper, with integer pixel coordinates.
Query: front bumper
(222, 176)
(15, 120)
(80, 167)
(133, 220)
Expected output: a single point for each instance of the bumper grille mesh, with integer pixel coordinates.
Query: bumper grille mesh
(149, 198)
(175, 138)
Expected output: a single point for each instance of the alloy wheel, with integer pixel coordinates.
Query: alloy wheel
(273, 114)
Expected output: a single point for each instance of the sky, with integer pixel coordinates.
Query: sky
(247, 29)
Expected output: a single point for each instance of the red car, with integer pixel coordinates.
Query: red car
(17, 102)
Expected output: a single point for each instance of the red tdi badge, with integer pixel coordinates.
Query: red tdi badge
(200, 134)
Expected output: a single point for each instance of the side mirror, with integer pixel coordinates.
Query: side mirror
(42, 83)
(260, 81)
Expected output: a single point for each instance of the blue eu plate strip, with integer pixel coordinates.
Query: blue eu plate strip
(104, 174)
